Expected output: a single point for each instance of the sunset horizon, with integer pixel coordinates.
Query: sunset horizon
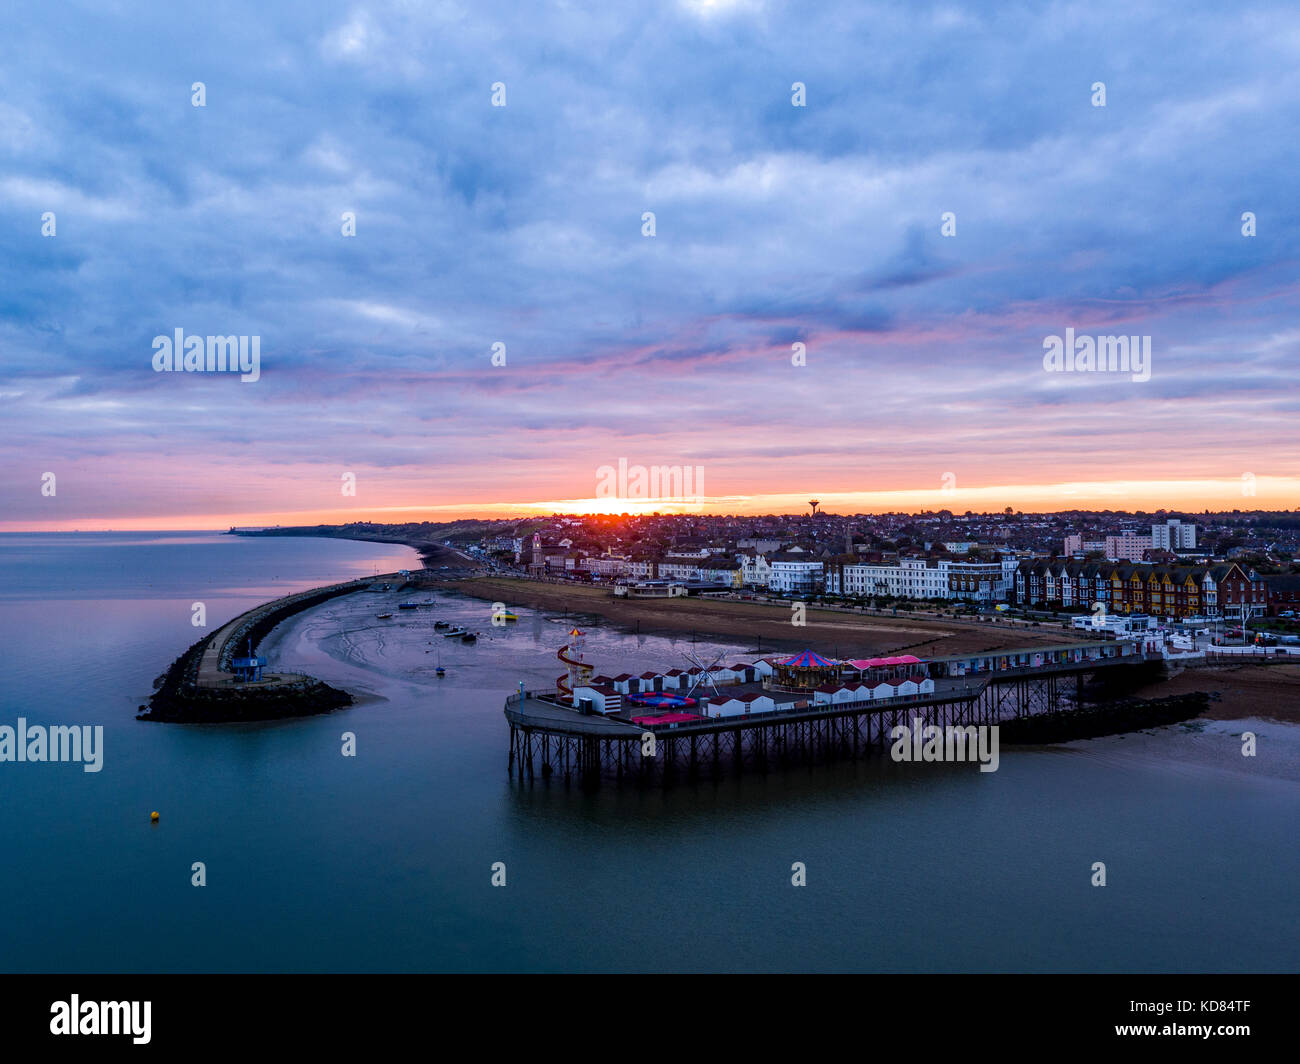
(471, 309)
(1270, 495)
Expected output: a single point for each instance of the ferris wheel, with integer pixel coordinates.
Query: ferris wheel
(704, 673)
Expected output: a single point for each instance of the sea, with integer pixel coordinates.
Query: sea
(385, 861)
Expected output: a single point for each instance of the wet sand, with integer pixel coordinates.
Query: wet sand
(1270, 692)
(1190, 749)
(769, 627)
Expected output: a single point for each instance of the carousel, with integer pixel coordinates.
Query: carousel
(805, 671)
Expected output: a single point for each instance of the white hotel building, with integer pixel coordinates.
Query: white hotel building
(799, 577)
(921, 578)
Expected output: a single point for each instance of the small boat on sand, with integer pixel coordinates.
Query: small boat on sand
(469, 637)
(384, 616)
(441, 624)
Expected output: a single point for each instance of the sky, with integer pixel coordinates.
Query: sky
(921, 380)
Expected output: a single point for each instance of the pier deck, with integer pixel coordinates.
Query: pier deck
(536, 712)
(568, 742)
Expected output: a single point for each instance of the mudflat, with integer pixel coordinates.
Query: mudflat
(1271, 692)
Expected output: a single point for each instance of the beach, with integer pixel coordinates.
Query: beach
(1271, 692)
(769, 627)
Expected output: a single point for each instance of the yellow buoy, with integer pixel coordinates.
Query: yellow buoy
(153, 817)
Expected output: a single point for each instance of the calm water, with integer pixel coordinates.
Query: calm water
(317, 862)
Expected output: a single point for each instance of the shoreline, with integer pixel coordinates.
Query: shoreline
(1235, 691)
(841, 633)
(429, 551)
(198, 688)
(1231, 691)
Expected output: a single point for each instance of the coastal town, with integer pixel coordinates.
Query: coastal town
(1237, 567)
(696, 488)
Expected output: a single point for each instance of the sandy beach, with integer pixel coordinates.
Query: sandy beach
(768, 626)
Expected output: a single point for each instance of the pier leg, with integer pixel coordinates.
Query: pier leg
(590, 762)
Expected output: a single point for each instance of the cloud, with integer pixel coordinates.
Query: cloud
(523, 225)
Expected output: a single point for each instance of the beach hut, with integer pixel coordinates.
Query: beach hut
(722, 674)
(599, 699)
(726, 707)
(883, 690)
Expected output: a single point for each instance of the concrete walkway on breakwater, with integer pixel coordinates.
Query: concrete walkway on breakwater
(226, 642)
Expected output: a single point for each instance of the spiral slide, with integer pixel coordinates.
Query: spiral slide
(579, 671)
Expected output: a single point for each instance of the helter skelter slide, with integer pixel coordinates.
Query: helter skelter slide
(579, 671)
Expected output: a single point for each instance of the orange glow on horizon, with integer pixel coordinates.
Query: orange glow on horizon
(1269, 493)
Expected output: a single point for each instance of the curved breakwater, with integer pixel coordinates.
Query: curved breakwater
(200, 688)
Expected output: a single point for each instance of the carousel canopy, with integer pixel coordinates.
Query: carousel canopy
(808, 660)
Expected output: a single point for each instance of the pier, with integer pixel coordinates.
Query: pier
(551, 739)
